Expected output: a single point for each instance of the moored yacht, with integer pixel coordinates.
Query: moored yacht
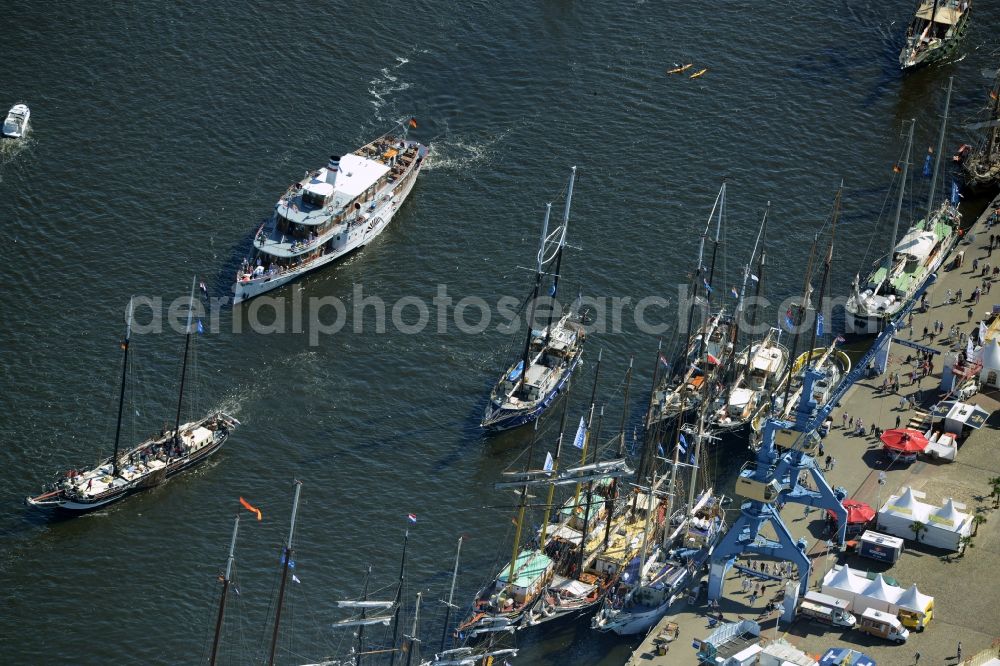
(911, 260)
(15, 125)
(331, 212)
(761, 370)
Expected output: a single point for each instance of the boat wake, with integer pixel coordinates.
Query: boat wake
(386, 85)
(11, 149)
(460, 153)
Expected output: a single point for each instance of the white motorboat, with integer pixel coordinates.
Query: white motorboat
(15, 125)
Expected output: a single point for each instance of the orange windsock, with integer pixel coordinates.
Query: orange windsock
(250, 507)
(413, 122)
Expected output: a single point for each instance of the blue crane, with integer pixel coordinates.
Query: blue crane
(775, 478)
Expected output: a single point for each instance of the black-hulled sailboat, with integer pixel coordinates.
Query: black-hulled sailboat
(148, 464)
(981, 166)
(706, 353)
(934, 32)
(530, 386)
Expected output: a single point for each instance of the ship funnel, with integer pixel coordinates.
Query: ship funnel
(332, 169)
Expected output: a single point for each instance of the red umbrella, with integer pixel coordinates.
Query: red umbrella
(904, 440)
(857, 512)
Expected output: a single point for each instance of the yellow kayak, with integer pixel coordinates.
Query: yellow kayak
(678, 70)
(699, 73)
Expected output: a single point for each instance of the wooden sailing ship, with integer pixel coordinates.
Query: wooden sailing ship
(935, 31)
(151, 462)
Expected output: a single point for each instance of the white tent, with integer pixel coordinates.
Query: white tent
(842, 583)
(990, 375)
(915, 600)
(946, 525)
(878, 595)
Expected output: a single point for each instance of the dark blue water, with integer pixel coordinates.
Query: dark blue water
(163, 134)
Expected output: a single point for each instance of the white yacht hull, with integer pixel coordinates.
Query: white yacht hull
(378, 221)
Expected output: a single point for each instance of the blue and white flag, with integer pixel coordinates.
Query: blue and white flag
(707, 285)
(692, 457)
(819, 324)
(956, 196)
(201, 329)
(683, 446)
(552, 290)
(735, 293)
(659, 448)
(549, 462)
(927, 163)
(581, 434)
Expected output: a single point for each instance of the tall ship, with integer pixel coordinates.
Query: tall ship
(332, 211)
(146, 465)
(563, 570)
(706, 353)
(981, 165)
(758, 370)
(935, 31)
(550, 356)
(895, 279)
(675, 545)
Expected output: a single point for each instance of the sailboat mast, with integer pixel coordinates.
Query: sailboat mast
(715, 247)
(590, 420)
(364, 613)
(121, 395)
(826, 272)
(590, 493)
(225, 590)
(451, 595)
(534, 294)
(284, 574)
(398, 603)
(413, 632)
(559, 252)
(555, 468)
(697, 458)
(741, 299)
(760, 268)
(899, 201)
(670, 493)
(698, 276)
(806, 293)
(940, 147)
(187, 345)
(647, 436)
(520, 511)
(621, 451)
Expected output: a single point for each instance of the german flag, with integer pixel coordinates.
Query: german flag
(251, 508)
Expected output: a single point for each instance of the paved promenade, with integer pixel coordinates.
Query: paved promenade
(966, 588)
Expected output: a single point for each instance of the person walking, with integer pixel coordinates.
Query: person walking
(843, 421)
(959, 651)
(916, 658)
(833, 463)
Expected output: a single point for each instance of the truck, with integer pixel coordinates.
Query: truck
(884, 625)
(881, 547)
(828, 609)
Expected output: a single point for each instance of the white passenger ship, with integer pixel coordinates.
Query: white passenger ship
(331, 212)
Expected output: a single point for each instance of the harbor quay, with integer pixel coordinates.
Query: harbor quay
(965, 586)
